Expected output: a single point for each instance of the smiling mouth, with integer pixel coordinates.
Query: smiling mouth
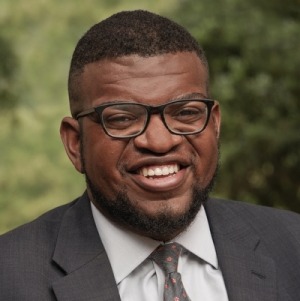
(159, 171)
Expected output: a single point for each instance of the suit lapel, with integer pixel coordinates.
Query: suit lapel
(80, 254)
(248, 274)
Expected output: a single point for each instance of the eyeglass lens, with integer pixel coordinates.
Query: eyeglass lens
(123, 120)
(183, 117)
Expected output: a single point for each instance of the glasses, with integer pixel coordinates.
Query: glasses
(127, 119)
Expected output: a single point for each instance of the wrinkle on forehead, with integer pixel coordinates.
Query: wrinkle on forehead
(154, 79)
(135, 66)
(136, 72)
(140, 77)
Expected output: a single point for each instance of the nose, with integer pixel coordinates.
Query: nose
(157, 137)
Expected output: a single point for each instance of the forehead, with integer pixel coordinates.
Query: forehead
(151, 80)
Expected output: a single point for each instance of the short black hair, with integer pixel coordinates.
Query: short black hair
(127, 33)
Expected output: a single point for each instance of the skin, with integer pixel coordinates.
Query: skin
(113, 164)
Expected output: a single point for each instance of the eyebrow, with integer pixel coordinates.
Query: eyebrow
(190, 96)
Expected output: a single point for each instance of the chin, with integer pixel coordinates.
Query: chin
(159, 220)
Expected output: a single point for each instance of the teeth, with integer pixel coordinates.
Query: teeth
(150, 173)
(165, 171)
(159, 171)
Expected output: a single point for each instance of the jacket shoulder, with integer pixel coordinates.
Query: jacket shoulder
(34, 240)
(47, 223)
(258, 213)
(26, 257)
(270, 233)
(275, 226)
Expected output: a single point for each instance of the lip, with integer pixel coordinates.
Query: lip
(155, 161)
(162, 183)
(156, 171)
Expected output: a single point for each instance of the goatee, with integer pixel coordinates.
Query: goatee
(164, 226)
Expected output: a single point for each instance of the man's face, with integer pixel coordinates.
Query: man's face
(120, 168)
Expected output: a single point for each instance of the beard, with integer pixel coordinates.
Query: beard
(163, 226)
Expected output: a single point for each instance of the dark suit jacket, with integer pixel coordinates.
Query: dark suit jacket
(60, 257)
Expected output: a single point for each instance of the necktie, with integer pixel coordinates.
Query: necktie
(166, 256)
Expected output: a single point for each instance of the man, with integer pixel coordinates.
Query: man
(145, 134)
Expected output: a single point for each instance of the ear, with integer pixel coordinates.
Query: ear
(70, 135)
(216, 118)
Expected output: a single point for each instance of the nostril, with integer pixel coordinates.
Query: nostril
(157, 142)
(157, 138)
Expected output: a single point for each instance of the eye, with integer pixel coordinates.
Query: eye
(119, 120)
(188, 114)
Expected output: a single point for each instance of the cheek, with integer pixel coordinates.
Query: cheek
(102, 156)
(206, 157)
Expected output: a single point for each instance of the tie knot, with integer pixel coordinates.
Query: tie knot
(166, 256)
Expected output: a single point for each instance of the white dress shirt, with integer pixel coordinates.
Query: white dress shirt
(139, 278)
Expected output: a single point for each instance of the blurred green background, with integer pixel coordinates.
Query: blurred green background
(254, 52)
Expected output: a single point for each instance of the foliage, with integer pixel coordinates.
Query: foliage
(40, 35)
(8, 68)
(253, 50)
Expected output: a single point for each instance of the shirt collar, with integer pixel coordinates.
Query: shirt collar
(120, 243)
(198, 240)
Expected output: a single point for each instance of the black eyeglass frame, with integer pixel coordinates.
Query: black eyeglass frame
(150, 111)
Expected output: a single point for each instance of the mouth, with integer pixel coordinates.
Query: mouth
(157, 176)
(159, 170)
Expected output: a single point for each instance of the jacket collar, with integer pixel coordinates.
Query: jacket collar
(80, 254)
(248, 274)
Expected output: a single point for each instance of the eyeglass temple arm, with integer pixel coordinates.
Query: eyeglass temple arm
(84, 113)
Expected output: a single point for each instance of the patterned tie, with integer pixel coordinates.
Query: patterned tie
(166, 256)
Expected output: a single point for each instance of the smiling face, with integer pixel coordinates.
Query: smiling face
(156, 175)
